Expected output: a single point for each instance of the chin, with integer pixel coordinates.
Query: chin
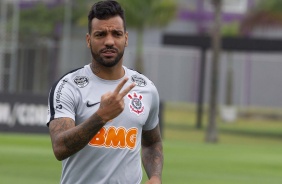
(110, 64)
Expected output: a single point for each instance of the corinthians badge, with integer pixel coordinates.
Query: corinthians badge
(136, 105)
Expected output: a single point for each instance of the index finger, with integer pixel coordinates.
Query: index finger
(120, 85)
(126, 90)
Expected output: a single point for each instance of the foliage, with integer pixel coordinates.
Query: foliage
(40, 20)
(80, 12)
(270, 5)
(231, 29)
(264, 14)
(46, 21)
(148, 13)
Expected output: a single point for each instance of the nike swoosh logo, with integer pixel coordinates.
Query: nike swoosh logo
(90, 105)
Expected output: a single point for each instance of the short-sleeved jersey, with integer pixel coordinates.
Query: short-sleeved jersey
(113, 154)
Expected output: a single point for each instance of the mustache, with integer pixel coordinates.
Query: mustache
(109, 49)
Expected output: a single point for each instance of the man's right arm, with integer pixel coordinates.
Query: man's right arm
(67, 139)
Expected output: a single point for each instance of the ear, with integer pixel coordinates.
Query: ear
(88, 40)
(126, 39)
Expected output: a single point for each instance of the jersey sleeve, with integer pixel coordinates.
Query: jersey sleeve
(61, 101)
(153, 118)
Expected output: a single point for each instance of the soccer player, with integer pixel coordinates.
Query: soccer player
(102, 115)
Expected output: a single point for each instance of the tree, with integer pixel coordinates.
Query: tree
(211, 135)
(43, 21)
(264, 14)
(147, 13)
(228, 110)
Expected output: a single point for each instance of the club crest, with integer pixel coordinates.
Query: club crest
(81, 81)
(136, 106)
(138, 80)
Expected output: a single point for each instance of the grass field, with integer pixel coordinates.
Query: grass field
(248, 152)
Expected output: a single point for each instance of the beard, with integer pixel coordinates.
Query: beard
(107, 62)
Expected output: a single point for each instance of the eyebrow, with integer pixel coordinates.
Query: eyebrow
(113, 31)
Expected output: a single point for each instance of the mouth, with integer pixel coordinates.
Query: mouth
(108, 52)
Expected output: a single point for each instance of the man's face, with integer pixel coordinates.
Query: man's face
(107, 41)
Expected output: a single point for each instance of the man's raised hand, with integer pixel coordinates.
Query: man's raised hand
(112, 103)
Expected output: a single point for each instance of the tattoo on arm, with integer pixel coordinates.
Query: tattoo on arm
(83, 135)
(152, 152)
(68, 139)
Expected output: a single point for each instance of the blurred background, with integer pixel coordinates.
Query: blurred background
(216, 64)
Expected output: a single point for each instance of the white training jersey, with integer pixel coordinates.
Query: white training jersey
(113, 155)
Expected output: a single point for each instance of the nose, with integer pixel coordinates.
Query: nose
(109, 40)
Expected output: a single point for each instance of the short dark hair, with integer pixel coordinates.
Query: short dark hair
(105, 9)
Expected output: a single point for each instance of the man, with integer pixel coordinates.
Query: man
(101, 115)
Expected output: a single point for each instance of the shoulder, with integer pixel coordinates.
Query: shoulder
(140, 79)
(76, 78)
(144, 85)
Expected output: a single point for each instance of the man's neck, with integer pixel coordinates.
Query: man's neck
(108, 73)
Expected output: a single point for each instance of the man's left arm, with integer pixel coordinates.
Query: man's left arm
(152, 155)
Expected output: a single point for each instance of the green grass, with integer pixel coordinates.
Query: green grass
(27, 159)
(222, 163)
(248, 152)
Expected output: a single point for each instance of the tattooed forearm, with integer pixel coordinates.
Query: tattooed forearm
(152, 153)
(152, 159)
(84, 134)
(68, 139)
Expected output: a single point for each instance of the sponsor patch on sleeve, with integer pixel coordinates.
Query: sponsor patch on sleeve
(138, 80)
(81, 81)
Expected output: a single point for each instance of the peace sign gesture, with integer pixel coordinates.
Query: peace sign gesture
(112, 103)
